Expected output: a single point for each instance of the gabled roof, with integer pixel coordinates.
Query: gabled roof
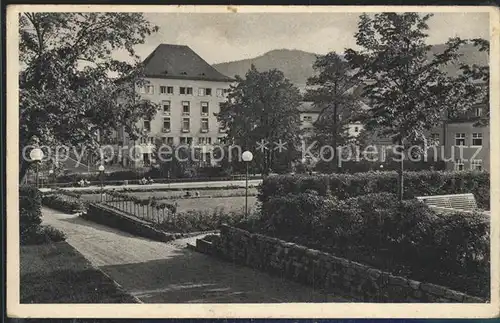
(180, 62)
(308, 107)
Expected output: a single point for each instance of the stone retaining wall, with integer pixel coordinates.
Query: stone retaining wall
(323, 271)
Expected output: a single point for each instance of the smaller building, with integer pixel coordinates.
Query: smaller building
(465, 140)
(309, 114)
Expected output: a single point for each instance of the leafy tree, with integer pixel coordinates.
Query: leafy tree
(71, 87)
(263, 108)
(408, 92)
(335, 90)
(177, 161)
(475, 79)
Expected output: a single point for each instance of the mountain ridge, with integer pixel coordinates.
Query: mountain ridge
(296, 64)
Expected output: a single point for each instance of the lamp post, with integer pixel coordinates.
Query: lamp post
(51, 173)
(247, 157)
(101, 171)
(36, 156)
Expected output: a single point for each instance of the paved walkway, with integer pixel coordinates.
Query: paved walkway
(157, 272)
(184, 185)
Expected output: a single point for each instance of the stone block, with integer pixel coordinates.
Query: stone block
(414, 284)
(383, 280)
(312, 253)
(434, 289)
(418, 294)
(350, 271)
(398, 281)
(358, 267)
(373, 273)
(473, 299)
(455, 296)
(348, 277)
(396, 293)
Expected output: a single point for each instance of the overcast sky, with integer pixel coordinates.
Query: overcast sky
(222, 37)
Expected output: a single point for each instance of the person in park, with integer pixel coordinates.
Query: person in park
(150, 180)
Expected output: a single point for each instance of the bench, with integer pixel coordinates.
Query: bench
(463, 202)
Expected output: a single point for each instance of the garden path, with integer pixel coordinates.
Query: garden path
(157, 272)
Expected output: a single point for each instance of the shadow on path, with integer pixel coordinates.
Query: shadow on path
(100, 227)
(190, 277)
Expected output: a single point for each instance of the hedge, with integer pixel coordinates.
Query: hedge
(30, 219)
(63, 203)
(200, 220)
(405, 237)
(343, 186)
(30, 210)
(134, 176)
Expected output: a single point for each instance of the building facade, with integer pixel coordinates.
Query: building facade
(463, 142)
(189, 92)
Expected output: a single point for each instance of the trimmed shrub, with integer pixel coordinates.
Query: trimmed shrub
(279, 185)
(284, 214)
(63, 203)
(463, 241)
(30, 211)
(30, 219)
(44, 234)
(200, 220)
(352, 166)
(345, 186)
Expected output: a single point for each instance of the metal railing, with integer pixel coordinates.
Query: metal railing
(150, 210)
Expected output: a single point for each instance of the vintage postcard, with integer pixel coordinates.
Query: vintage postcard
(252, 161)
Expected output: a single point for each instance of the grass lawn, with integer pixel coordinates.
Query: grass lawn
(57, 273)
(227, 203)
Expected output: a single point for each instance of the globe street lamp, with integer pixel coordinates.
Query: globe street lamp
(101, 171)
(36, 156)
(247, 157)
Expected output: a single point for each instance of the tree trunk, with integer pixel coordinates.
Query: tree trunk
(23, 170)
(336, 166)
(400, 172)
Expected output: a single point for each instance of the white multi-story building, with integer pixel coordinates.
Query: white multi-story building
(189, 92)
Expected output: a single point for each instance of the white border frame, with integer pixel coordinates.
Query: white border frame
(288, 310)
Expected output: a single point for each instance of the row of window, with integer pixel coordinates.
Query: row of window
(475, 164)
(477, 139)
(184, 140)
(186, 107)
(185, 125)
(183, 90)
(460, 139)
